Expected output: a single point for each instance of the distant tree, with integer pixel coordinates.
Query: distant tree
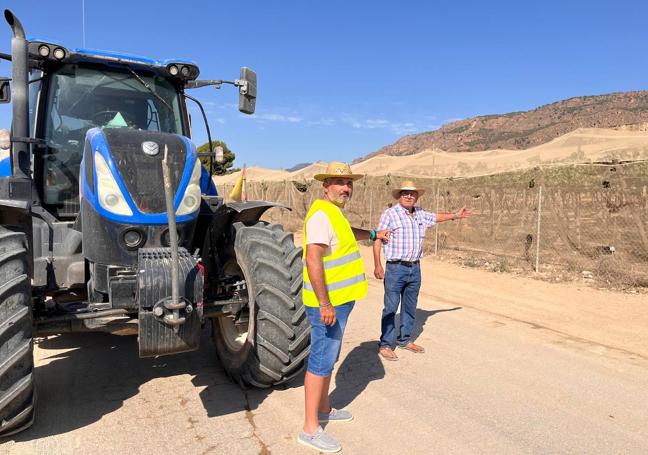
(218, 168)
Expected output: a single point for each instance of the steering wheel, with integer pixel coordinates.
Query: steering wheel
(103, 117)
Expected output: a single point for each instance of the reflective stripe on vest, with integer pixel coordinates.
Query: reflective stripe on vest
(343, 260)
(343, 269)
(340, 284)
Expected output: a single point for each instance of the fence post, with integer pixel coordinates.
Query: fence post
(537, 261)
(290, 196)
(436, 226)
(286, 192)
(370, 207)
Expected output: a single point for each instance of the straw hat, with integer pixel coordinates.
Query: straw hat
(336, 169)
(407, 185)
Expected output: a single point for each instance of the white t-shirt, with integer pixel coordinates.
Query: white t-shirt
(320, 230)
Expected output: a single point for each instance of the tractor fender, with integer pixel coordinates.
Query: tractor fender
(215, 226)
(250, 211)
(15, 201)
(15, 212)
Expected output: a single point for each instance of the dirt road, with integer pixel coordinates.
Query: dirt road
(514, 365)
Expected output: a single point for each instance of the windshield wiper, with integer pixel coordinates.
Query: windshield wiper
(148, 87)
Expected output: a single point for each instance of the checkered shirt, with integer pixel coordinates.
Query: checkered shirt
(406, 242)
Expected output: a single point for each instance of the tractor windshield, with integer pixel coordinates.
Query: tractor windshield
(80, 97)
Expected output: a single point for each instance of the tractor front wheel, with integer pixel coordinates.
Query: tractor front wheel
(16, 346)
(266, 343)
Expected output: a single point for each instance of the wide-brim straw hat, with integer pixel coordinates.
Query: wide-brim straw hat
(407, 185)
(337, 169)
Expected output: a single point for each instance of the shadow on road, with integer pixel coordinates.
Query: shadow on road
(97, 372)
(100, 371)
(363, 365)
(422, 317)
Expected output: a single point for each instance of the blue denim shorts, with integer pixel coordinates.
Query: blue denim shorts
(326, 340)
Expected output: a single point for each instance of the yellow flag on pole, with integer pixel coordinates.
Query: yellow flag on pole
(238, 193)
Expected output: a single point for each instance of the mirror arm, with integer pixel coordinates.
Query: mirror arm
(198, 84)
(241, 84)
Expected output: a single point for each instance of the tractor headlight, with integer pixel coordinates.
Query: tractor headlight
(108, 192)
(192, 197)
(59, 53)
(133, 238)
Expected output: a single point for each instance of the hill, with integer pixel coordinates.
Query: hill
(583, 145)
(297, 167)
(523, 130)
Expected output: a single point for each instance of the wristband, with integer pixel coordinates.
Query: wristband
(325, 305)
(372, 234)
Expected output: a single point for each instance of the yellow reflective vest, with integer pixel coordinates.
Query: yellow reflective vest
(343, 268)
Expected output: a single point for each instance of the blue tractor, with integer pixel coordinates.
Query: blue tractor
(109, 222)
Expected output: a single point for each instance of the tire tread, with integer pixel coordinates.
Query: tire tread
(282, 332)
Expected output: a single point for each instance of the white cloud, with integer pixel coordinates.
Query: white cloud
(277, 118)
(355, 121)
(372, 124)
(376, 123)
(325, 121)
(404, 128)
(214, 104)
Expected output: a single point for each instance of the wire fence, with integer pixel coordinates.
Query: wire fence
(585, 221)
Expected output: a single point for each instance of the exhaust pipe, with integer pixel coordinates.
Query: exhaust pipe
(175, 304)
(20, 159)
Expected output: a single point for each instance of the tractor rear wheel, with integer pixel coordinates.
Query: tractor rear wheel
(16, 345)
(267, 343)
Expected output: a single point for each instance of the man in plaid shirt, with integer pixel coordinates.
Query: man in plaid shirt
(402, 276)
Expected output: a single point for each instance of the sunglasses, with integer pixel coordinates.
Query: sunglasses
(409, 194)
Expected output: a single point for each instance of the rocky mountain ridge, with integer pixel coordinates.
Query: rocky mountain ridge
(522, 130)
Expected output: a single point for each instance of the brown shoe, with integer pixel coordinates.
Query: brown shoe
(413, 347)
(387, 353)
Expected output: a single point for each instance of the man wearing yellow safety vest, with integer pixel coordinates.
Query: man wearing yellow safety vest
(334, 279)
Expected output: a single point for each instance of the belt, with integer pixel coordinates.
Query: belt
(405, 263)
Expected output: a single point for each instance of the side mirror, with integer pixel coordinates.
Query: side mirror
(220, 155)
(247, 91)
(5, 90)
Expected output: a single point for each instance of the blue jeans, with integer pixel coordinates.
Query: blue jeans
(402, 285)
(326, 340)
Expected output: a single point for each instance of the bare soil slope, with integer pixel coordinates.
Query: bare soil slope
(584, 145)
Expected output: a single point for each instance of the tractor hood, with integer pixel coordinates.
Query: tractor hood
(121, 175)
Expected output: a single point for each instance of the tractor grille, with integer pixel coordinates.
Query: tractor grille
(141, 172)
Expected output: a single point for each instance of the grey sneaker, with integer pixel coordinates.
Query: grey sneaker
(319, 440)
(336, 415)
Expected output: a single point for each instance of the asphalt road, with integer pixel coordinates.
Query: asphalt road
(491, 381)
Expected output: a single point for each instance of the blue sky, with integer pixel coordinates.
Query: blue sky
(340, 79)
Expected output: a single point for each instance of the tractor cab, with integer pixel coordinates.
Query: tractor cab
(88, 89)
